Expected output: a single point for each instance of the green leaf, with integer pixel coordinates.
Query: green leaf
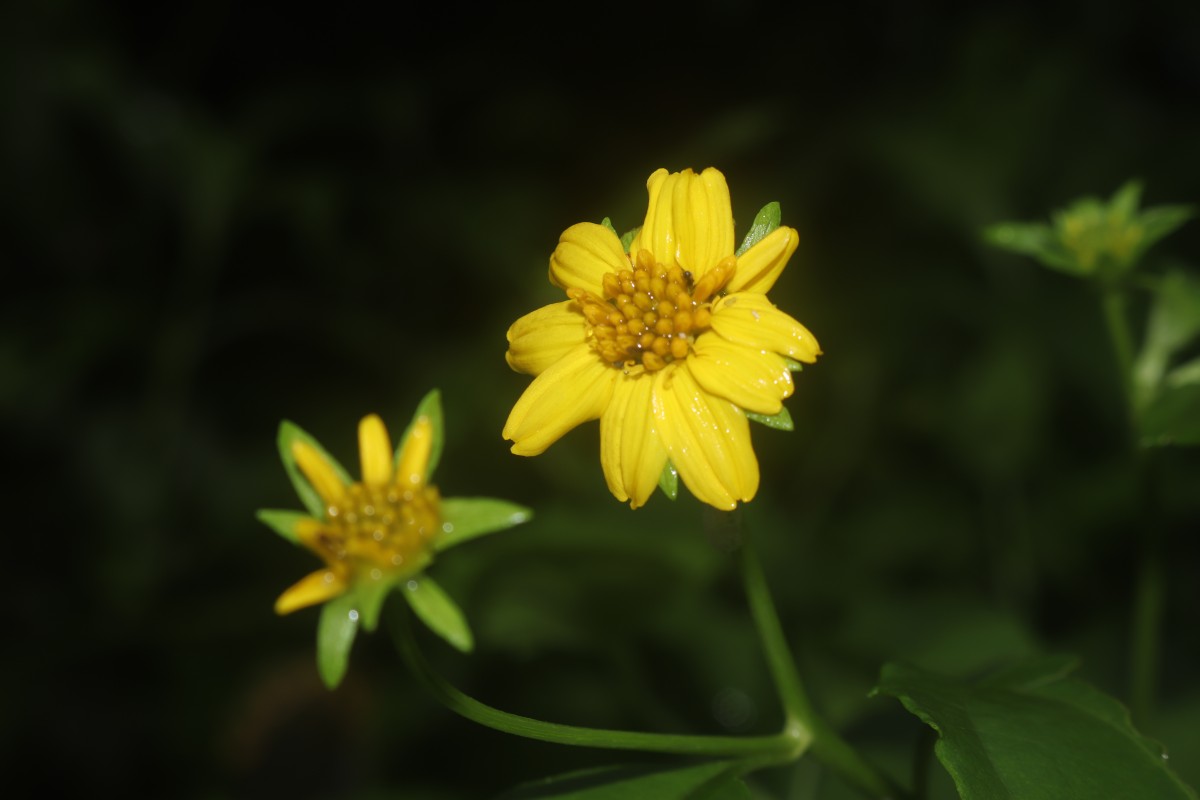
(710, 780)
(794, 366)
(369, 596)
(335, 635)
(1124, 202)
(1160, 221)
(607, 223)
(627, 239)
(289, 433)
(439, 612)
(282, 522)
(780, 422)
(1032, 239)
(1172, 417)
(668, 480)
(1034, 735)
(766, 221)
(465, 518)
(431, 407)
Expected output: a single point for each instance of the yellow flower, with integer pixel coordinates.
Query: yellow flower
(379, 530)
(669, 345)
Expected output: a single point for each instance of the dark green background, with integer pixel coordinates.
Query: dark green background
(217, 217)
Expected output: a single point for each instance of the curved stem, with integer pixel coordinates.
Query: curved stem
(827, 745)
(780, 748)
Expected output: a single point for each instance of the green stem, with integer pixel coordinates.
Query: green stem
(762, 750)
(827, 746)
(1112, 300)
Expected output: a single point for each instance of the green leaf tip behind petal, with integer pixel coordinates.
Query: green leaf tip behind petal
(441, 614)
(780, 422)
(431, 408)
(607, 223)
(766, 221)
(336, 630)
(794, 366)
(466, 518)
(282, 522)
(668, 481)
(628, 237)
(290, 433)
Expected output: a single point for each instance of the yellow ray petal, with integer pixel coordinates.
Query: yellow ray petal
(631, 453)
(707, 439)
(319, 472)
(759, 267)
(575, 389)
(754, 380)
(375, 451)
(585, 252)
(750, 319)
(541, 337)
(689, 220)
(316, 587)
(412, 466)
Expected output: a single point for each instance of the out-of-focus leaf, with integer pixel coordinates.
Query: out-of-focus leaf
(439, 612)
(668, 481)
(765, 221)
(1174, 321)
(1160, 221)
(711, 780)
(1035, 735)
(335, 635)
(289, 433)
(465, 518)
(282, 522)
(1172, 417)
(1032, 239)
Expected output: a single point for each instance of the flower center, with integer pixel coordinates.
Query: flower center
(380, 528)
(650, 315)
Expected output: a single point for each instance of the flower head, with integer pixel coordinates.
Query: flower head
(377, 534)
(670, 342)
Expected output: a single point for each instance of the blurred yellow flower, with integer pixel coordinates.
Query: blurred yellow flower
(379, 530)
(669, 345)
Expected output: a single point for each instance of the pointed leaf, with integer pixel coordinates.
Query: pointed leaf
(290, 432)
(1174, 322)
(1035, 736)
(439, 612)
(1172, 417)
(282, 522)
(430, 406)
(628, 238)
(765, 221)
(1032, 239)
(668, 481)
(1160, 221)
(780, 422)
(465, 518)
(335, 635)
(607, 223)
(369, 595)
(794, 366)
(710, 780)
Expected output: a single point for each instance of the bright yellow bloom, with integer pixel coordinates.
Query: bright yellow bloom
(668, 345)
(381, 529)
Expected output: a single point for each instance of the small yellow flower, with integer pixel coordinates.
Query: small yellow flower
(380, 529)
(669, 345)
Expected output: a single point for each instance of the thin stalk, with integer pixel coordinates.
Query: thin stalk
(763, 750)
(827, 746)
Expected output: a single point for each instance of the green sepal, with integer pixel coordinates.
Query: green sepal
(370, 594)
(780, 422)
(289, 433)
(707, 780)
(465, 518)
(794, 366)
(607, 223)
(335, 635)
(766, 221)
(282, 522)
(668, 480)
(627, 239)
(1032, 239)
(439, 612)
(431, 407)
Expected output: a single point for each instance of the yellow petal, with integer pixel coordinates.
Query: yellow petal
(318, 471)
(754, 380)
(574, 390)
(317, 587)
(375, 451)
(631, 453)
(541, 337)
(759, 267)
(689, 220)
(412, 466)
(750, 319)
(707, 439)
(585, 252)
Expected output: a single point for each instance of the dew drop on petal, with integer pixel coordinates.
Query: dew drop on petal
(447, 527)
(412, 585)
(353, 615)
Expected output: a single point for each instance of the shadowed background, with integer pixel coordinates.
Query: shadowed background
(220, 217)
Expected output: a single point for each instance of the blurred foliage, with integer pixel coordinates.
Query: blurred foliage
(219, 217)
